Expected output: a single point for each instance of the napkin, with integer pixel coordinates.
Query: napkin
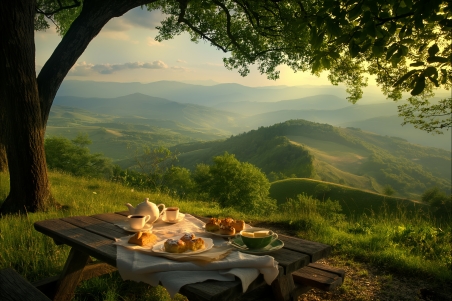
(142, 266)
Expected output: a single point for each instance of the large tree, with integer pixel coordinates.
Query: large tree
(406, 44)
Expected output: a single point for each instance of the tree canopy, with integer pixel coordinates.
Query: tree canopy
(405, 44)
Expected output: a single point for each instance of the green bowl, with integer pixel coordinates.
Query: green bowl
(258, 242)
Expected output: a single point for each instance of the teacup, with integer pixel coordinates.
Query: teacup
(172, 213)
(137, 222)
(258, 238)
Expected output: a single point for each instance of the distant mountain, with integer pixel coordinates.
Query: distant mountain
(317, 102)
(391, 126)
(196, 94)
(346, 156)
(143, 106)
(334, 117)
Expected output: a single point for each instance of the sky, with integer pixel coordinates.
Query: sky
(125, 51)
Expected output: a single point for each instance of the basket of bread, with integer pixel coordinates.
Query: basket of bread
(225, 226)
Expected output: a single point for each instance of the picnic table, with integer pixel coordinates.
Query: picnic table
(93, 253)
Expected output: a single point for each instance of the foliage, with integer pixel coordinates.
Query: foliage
(426, 241)
(73, 156)
(407, 45)
(235, 184)
(180, 182)
(321, 191)
(155, 164)
(438, 200)
(388, 190)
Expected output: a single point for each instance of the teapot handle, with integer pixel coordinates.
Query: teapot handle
(163, 209)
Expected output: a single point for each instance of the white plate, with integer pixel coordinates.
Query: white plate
(160, 247)
(146, 228)
(221, 235)
(179, 219)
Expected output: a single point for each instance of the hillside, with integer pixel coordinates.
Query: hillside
(353, 201)
(119, 137)
(346, 156)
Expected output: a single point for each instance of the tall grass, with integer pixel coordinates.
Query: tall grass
(411, 244)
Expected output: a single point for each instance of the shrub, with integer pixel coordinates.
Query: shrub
(235, 184)
(74, 157)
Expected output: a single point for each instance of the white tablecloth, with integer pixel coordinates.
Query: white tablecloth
(138, 266)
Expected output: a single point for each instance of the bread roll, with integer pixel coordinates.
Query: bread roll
(175, 246)
(195, 244)
(144, 239)
(238, 225)
(187, 237)
(227, 230)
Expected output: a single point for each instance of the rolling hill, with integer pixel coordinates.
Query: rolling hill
(298, 148)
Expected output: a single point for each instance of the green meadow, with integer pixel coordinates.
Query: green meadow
(411, 244)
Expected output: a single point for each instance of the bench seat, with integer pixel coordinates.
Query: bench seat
(319, 276)
(13, 287)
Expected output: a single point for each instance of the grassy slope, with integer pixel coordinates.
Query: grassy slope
(353, 201)
(375, 239)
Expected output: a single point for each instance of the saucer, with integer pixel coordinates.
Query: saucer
(239, 245)
(179, 219)
(146, 228)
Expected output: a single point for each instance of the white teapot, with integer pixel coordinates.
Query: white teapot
(147, 208)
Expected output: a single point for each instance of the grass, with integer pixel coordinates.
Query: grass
(403, 243)
(354, 201)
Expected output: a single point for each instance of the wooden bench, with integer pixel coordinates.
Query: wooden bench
(316, 275)
(15, 288)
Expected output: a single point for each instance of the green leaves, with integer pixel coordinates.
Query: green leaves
(419, 87)
(433, 50)
(404, 77)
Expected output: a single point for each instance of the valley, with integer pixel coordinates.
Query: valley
(314, 144)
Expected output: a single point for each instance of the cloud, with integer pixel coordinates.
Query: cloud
(84, 69)
(181, 61)
(152, 42)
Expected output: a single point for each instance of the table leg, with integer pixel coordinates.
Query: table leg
(282, 287)
(71, 275)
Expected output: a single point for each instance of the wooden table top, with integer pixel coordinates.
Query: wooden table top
(95, 234)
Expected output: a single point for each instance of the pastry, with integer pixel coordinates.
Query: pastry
(195, 244)
(187, 237)
(227, 230)
(213, 225)
(144, 239)
(238, 225)
(175, 246)
(226, 222)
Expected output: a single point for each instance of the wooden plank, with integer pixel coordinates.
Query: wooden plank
(110, 217)
(96, 226)
(290, 260)
(212, 290)
(330, 269)
(92, 244)
(71, 275)
(317, 278)
(315, 250)
(13, 287)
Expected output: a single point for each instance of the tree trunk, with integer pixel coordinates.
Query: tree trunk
(22, 127)
(3, 160)
(26, 101)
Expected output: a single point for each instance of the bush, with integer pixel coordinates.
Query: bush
(235, 184)
(74, 157)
